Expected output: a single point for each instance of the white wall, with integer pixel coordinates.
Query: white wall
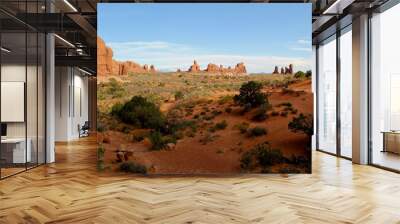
(71, 102)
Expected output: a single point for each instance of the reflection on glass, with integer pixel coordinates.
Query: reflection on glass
(385, 84)
(327, 96)
(346, 94)
(14, 153)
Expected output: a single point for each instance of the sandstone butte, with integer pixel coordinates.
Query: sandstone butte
(106, 65)
(284, 70)
(240, 68)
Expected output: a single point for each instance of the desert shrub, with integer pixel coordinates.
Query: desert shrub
(261, 113)
(139, 112)
(250, 95)
(300, 74)
(284, 113)
(178, 95)
(114, 89)
(294, 111)
(207, 138)
(228, 110)
(246, 161)
(157, 141)
(242, 127)
(261, 155)
(257, 131)
(308, 74)
(224, 99)
(208, 117)
(266, 156)
(139, 135)
(216, 112)
(302, 123)
(274, 113)
(132, 167)
(221, 125)
(285, 104)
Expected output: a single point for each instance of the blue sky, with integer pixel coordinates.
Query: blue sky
(171, 36)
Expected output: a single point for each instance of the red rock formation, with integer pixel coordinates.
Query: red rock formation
(195, 67)
(282, 70)
(240, 68)
(106, 65)
(275, 70)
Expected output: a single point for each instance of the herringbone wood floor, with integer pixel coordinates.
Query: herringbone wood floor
(71, 191)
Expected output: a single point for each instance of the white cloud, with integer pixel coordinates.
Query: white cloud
(307, 49)
(171, 56)
(301, 41)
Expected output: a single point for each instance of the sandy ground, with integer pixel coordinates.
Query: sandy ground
(222, 155)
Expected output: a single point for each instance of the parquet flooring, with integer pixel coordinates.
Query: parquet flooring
(72, 191)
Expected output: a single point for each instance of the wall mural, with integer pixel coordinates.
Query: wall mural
(204, 88)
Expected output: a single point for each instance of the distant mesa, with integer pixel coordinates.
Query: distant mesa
(106, 65)
(284, 70)
(240, 68)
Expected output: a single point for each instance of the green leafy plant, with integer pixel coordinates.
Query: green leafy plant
(250, 95)
(257, 131)
(132, 167)
(139, 112)
(303, 124)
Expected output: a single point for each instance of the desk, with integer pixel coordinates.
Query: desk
(391, 141)
(13, 150)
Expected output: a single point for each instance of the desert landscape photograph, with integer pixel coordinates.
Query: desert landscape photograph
(204, 89)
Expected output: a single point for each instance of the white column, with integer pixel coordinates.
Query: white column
(360, 90)
(50, 98)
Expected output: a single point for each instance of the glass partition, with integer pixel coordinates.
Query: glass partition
(327, 95)
(346, 93)
(22, 93)
(385, 89)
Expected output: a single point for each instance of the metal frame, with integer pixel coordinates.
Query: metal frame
(337, 34)
(44, 74)
(389, 4)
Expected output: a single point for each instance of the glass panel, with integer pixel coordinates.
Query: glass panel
(327, 96)
(385, 84)
(31, 98)
(13, 87)
(41, 98)
(346, 94)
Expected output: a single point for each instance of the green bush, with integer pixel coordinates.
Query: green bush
(284, 113)
(302, 123)
(139, 112)
(157, 141)
(274, 113)
(114, 89)
(300, 74)
(257, 131)
(221, 125)
(131, 167)
(242, 127)
(178, 95)
(261, 113)
(246, 161)
(261, 155)
(266, 156)
(250, 95)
